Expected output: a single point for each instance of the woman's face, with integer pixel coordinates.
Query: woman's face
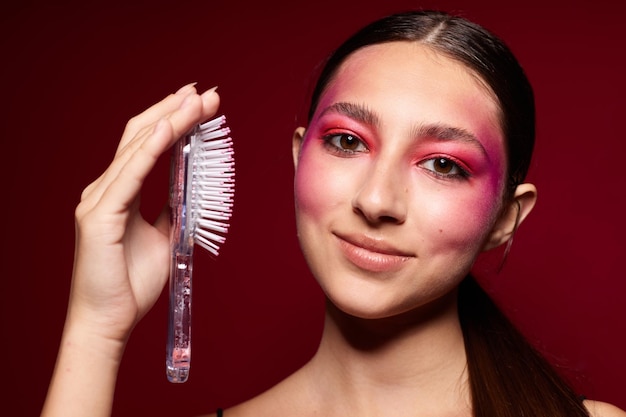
(399, 179)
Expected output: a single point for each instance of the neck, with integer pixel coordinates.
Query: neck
(404, 362)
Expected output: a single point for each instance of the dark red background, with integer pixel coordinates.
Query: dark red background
(72, 75)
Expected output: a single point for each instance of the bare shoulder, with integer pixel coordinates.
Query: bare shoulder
(602, 409)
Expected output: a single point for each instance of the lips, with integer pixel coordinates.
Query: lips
(370, 254)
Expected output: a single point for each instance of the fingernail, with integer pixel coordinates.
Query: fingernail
(187, 88)
(210, 91)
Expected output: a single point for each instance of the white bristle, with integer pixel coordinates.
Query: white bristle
(213, 183)
(219, 208)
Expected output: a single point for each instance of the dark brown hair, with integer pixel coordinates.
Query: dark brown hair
(507, 376)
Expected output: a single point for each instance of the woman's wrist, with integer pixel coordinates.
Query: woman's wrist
(84, 338)
(85, 375)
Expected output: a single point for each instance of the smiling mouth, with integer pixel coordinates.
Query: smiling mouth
(372, 255)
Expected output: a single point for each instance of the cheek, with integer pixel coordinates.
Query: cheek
(474, 209)
(463, 219)
(314, 188)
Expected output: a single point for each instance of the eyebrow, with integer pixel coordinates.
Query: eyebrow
(444, 133)
(353, 111)
(437, 131)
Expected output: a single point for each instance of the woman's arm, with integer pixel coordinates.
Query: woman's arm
(121, 262)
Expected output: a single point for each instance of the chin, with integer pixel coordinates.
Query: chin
(425, 306)
(366, 312)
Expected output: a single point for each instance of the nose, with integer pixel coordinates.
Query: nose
(382, 196)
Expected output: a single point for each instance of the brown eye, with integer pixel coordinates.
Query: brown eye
(345, 143)
(443, 165)
(349, 142)
(444, 168)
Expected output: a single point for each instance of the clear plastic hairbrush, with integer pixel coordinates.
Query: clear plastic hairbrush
(202, 183)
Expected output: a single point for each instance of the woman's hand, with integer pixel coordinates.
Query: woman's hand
(121, 261)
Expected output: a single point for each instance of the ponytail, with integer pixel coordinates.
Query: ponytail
(507, 376)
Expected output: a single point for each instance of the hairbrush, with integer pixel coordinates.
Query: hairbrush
(202, 183)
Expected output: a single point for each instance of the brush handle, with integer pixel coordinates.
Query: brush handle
(178, 348)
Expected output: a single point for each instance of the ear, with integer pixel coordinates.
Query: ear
(296, 144)
(513, 214)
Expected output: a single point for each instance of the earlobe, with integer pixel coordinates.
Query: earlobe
(512, 215)
(296, 144)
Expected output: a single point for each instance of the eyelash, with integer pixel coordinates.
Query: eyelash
(332, 142)
(460, 174)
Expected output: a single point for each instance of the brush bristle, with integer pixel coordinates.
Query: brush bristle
(213, 183)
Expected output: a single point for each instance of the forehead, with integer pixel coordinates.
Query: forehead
(408, 82)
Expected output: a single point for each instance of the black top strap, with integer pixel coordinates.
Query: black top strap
(220, 412)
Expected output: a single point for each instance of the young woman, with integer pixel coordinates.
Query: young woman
(420, 133)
